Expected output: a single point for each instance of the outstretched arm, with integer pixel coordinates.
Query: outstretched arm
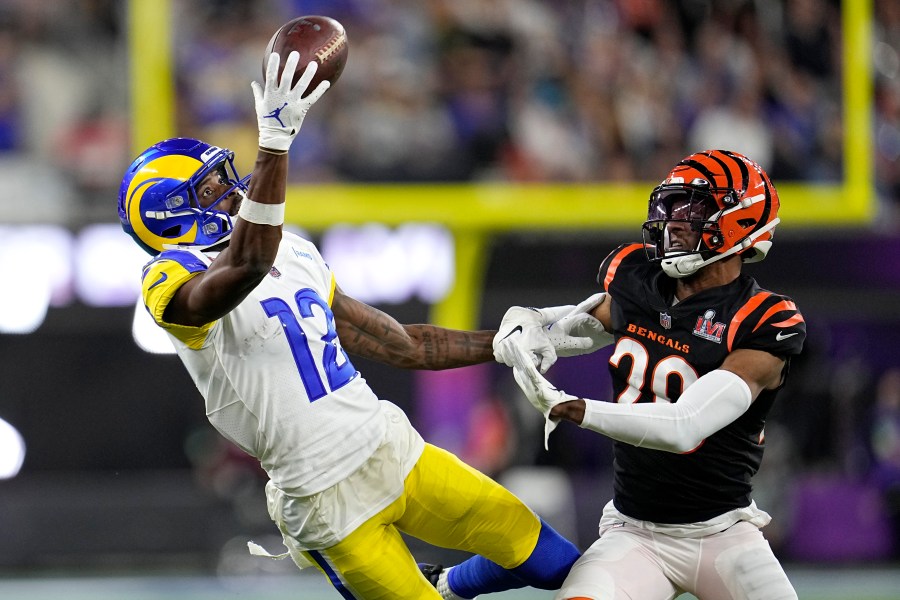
(370, 333)
(251, 250)
(240, 267)
(706, 406)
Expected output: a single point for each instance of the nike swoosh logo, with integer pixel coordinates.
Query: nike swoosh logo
(162, 277)
(516, 329)
(783, 336)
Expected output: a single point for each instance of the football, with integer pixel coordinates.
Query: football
(318, 38)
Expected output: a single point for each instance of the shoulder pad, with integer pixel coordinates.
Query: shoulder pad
(609, 266)
(769, 322)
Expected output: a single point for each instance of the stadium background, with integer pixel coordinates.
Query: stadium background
(498, 149)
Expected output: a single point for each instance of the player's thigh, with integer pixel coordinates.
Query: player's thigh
(618, 566)
(374, 563)
(452, 505)
(738, 564)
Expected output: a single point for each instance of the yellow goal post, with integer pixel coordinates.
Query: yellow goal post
(474, 212)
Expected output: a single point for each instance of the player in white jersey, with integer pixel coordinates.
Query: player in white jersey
(264, 330)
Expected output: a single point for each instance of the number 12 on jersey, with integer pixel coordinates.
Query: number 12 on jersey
(337, 375)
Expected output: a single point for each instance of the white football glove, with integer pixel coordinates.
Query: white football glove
(279, 109)
(579, 332)
(542, 394)
(525, 327)
(548, 333)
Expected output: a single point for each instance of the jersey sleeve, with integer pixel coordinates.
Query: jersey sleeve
(623, 255)
(160, 280)
(768, 322)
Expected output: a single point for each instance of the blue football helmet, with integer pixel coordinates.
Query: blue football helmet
(158, 204)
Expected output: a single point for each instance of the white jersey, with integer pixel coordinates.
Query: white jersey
(274, 376)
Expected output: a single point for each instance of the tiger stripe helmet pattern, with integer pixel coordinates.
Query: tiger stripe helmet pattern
(726, 197)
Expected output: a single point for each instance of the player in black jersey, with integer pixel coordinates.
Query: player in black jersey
(700, 353)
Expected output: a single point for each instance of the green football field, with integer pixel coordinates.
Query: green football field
(811, 584)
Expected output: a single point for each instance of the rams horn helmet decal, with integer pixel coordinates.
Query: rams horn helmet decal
(158, 204)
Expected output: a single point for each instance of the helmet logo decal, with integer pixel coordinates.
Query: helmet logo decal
(709, 330)
(140, 228)
(181, 168)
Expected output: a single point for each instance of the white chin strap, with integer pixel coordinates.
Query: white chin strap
(682, 265)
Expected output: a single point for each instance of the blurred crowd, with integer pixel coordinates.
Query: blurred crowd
(575, 91)
(465, 90)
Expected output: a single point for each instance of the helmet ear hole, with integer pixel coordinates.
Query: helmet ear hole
(746, 223)
(173, 231)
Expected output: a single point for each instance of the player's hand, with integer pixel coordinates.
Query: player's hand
(542, 394)
(527, 327)
(280, 109)
(547, 333)
(524, 327)
(578, 333)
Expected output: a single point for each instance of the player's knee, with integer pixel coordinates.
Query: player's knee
(592, 584)
(550, 561)
(600, 587)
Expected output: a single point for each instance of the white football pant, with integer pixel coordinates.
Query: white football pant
(629, 562)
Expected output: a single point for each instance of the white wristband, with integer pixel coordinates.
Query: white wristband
(261, 214)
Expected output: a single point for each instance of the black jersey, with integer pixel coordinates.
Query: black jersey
(662, 348)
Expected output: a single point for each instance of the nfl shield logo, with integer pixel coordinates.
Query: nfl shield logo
(274, 272)
(665, 320)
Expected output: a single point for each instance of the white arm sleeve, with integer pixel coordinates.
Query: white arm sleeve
(706, 406)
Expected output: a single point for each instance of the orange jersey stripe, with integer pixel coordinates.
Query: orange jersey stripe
(783, 305)
(611, 271)
(798, 318)
(743, 313)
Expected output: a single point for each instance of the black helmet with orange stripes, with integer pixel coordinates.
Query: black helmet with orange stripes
(724, 196)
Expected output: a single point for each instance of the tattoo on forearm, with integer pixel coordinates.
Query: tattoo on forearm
(370, 333)
(429, 347)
